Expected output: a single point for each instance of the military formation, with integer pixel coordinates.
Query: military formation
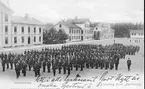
(67, 58)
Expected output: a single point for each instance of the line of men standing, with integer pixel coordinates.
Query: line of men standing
(67, 58)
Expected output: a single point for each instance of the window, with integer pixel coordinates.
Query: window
(6, 29)
(15, 29)
(60, 26)
(34, 39)
(22, 39)
(40, 30)
(40, 39)
(34, 30)
(70, 31)
(15, 40)
(28, 29)
(22, 29)
(6, 40)
(6, 17)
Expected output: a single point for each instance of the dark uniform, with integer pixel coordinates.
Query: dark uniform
(17, 69)
(128, 64)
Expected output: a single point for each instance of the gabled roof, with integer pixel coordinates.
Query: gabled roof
(5, 5)
(24, 20)
(137, 31)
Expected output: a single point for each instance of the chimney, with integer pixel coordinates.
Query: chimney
(26, 16)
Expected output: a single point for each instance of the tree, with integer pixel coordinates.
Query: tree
(55, 37)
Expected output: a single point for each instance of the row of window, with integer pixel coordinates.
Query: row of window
(22, 40)
(75, 37)
(74, 31)
(22, 29)
(136, 34)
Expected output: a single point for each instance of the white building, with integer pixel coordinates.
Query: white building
(77, 29)
(103, 31)
(5, 25)
(18, 31)
(137, 33)
(26, 31)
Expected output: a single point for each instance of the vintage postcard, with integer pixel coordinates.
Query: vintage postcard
(71, 44)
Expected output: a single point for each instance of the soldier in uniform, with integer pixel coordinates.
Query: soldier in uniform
(48, 66)
(54, 69)
(17, 69)
(128, 64)
(24, 68)
(59, 66)
(3, 62)
(44, 65)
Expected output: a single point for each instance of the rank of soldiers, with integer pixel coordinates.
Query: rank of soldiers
(68, 58)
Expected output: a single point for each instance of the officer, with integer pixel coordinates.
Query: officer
(128, 64)
(116, 62)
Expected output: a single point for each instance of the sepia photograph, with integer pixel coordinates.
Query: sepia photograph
(71, 44)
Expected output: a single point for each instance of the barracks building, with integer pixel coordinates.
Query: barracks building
(18, 31)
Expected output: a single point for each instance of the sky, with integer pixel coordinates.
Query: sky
(96, 10)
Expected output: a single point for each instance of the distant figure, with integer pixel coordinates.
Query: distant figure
(114, 41)
(128, 64)
(130, 40)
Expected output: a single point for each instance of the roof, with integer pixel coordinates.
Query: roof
(70, 25)
(137, 31)
(25, 20)
(5, 5)
(78, 21)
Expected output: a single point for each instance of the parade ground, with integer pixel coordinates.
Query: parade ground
(135, 81)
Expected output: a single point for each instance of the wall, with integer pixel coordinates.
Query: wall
(3, 23)
(26, 34)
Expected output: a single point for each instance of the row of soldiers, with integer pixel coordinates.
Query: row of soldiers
(67, 58)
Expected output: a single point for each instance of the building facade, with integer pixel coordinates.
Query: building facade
(26, 31)
(103, 31)
(5, 25)
(77, 29)
(137, 33)
(18, 31)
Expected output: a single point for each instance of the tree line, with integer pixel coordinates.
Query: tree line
(123, 29)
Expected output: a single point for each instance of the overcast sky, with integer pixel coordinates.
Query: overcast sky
(95, 10)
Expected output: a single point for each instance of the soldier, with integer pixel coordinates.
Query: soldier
(11, 62)
(64, 67)
(35, 69)
(59, 66)
(68, 69)
(48, 66)
(116, 62)
(3, 63)
(128, 64)
(24, 68)
(54, 69)
(44, 65)
(17, 69)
